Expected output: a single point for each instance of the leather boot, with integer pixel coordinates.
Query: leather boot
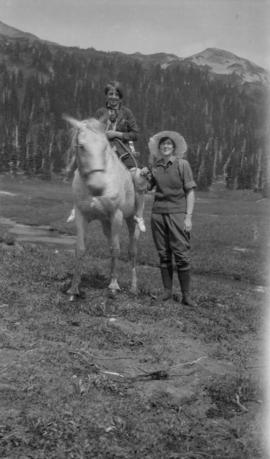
(167, 280)
(184, 280)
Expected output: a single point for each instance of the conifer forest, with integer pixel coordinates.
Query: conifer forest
(223, 120)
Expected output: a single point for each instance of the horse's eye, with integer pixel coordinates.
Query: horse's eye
(85, 175)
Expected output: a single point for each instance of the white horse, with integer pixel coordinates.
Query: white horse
(102, 189)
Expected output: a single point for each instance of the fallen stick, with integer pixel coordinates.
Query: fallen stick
(188, 363)
(94, 356)
(238, 403)
(113, 373)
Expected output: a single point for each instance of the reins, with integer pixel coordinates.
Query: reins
(128, 151)
(77, 146)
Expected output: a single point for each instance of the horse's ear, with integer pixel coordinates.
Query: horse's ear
(103, 119)
(75, 123)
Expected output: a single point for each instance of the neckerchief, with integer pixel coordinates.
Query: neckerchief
(112, 118)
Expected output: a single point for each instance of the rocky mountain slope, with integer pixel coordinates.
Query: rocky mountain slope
(225, 63)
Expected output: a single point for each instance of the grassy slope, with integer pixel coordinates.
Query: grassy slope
(56, 399)
(222, 221)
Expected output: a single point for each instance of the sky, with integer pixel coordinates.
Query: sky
(181, 27)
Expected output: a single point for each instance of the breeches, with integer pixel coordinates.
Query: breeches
(171, 239)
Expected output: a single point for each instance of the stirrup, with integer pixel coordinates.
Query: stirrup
(141, 223)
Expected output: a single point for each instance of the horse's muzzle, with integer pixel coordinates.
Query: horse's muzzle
(96, 191)
(96, 182)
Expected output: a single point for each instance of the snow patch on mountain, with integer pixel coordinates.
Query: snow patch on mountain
(226, 63)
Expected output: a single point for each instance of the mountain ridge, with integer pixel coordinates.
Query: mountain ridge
(217, 61)
(11, 32)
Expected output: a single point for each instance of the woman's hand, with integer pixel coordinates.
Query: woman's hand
(145, 171)
(114, 134)
(188, 223)
(190, 197)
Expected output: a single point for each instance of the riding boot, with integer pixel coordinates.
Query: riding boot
(167, 280)
(184, 280)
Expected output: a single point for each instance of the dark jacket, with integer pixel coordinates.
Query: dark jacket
(125, 122)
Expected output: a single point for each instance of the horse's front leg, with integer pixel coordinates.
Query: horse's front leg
(81, 225)
(115, 230)
(134, 234)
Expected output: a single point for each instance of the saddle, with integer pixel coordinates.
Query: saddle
(127, 156)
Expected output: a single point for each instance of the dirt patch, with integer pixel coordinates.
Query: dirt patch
(37, 234)
(7, 193)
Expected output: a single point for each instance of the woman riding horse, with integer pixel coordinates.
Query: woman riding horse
(121, 130)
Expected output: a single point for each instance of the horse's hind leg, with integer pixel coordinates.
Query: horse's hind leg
(134, 234)
(81, 225)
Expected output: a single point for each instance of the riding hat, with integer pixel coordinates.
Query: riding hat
(154, 142)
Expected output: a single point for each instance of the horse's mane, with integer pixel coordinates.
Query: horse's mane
(97, 127)
(92, 124)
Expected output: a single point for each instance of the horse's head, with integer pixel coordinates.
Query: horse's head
(90, 144)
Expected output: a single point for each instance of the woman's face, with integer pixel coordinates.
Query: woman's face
(166, 147)
(113, 97)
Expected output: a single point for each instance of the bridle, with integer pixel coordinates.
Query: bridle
(77, 147)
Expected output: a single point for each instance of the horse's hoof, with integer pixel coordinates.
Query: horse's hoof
(134, 291)
(64, 288)
(76, 296)
(112, 293)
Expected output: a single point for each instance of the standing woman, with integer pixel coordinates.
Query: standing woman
(172, 210)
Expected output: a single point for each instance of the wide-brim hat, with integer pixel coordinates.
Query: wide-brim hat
(178, 140)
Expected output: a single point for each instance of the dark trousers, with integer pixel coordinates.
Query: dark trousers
(171, 240)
